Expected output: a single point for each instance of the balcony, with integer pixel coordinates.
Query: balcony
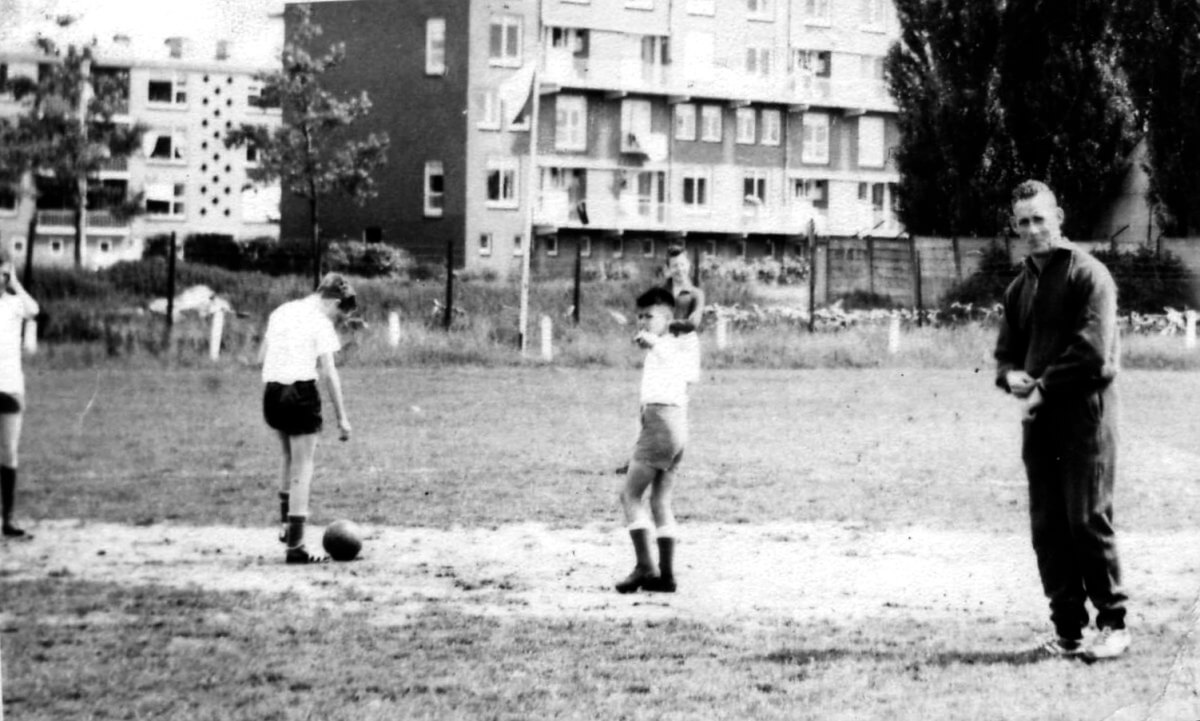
(96, 220)
(114, 166)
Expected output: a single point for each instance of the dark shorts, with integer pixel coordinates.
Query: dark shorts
(10, 403)
(662, 438)
(293, 408)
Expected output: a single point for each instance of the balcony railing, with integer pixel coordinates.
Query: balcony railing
(114, 165)
(66, 219)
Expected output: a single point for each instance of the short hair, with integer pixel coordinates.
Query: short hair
(656, 296)
(335, 286)
(1029, 189)
(676, 250)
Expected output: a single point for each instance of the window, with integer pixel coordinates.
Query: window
(647, 247)
(635, 126)
(435, 188)
(18, 244)
(743, 246)
(817, 63)
(8, 198)
(813, 192)
(758, 61)
(105, 246)
(551, 245)
(167, 90)
(754, 188)
(758, 9)
(585, 246)
(771, 127)
(710, 123)
(165, 200)
(570, 122)
(870, 141)
(695, 190)
(816, 12)
(815, 147)
(502, 183)
(435, 46)
(167, 146)
(56, 247)
(518, 244)
(685, 121)
(485, 244)
(701, 7)
(698, 52)
(251, 152)
(617, 247)
(570, 40)
(746, 126)
(504, 41)
(710, 248)
(873, 15)
(489, 110)
(769, 249)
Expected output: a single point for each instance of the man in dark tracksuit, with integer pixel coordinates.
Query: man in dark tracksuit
(1058, 350)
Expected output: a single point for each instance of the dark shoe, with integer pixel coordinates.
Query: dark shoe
(301, 555)
(1059, 647)
(12, 531)
(640, 578)
(622, 470)
(662, 584)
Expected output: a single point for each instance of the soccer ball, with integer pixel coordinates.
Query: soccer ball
(342, 540)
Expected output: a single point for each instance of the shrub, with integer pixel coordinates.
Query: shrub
(1148, 282)
(213, 249)
(50, 283)
(368, 260)
(157, 246)
(985, 287)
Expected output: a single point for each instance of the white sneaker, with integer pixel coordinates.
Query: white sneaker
(1109, 643)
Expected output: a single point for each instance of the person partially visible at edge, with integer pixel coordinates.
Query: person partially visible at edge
(298, 346)
(16, 307)
(1058, 351)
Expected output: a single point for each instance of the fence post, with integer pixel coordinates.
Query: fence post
(1189, 334)
(448, 316)
(214, 338)
(394, 329)
(578, 278)
(812, 274)
(894, 334)
(871, 265)
(722, 332)
(547, 328)
(170, 328)
(954, 246)
(916, 263)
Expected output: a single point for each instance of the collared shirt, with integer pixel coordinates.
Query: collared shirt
(12, 314)
(1060, 324)
(298, 333)
(666, 372)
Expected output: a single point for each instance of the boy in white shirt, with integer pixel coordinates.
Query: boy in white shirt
(665, 376)
(298, 345)
(16, 307)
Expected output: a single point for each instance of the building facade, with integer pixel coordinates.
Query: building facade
(187, 95)
(733, 127)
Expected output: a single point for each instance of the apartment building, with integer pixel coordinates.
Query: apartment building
(732, 127)
(188, 94)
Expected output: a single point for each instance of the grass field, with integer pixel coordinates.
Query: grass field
(856, 547)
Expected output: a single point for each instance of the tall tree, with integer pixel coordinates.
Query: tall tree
(941, 72)
(1161, 58)
(1066, 107)
(311, 153)
(67, 134)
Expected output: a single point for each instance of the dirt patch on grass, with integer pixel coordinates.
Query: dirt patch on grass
(728, 573)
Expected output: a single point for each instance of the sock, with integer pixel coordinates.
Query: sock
(295, 531)
(641, 547)
(8, 487)
(666, 557)
(284, 497)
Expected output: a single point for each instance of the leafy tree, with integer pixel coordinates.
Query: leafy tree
(941, 72)
(66, 135)
(1065, 104)
(310, 153)
(1161, 57)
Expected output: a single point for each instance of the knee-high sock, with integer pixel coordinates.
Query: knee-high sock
(283, 506)
(641, 547)
(8, 489)
(666, 557)
(295, 531)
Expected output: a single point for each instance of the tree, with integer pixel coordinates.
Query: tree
(67, 134)
(310, 154)
(941, 73)
(1161, 58)
(1066, 107)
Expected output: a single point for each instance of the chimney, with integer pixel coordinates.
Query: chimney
(176, 46)
(223, 49)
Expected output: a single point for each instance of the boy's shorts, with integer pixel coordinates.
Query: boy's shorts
(663, 436)
(10, 403)
(293, 408)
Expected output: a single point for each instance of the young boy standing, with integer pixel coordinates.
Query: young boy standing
(297, 347)
(16, 307)
(660, 444)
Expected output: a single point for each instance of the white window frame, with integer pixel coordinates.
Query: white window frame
(685, 121)
(178, 83)
(874, 18)
(177, 152)
(803, 190)
(618, 246)
(759, 10)
(747, 126)
(702, 7)
(712, 122)
(816, 12)
(772, 127)
(648, 247)
(434, 201)
(585, 246)
(175, 200)
(551, 245)
(435, 46)
(701, 181)
(815, 145)
(508, 57)
(636, 123)
(761, 190)
(570, 122)
(872, 132)
(485, 244)
(710, 248)
(508, 177)
(759, 61)
(489, 109)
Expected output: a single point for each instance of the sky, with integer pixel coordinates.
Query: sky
(246, 23)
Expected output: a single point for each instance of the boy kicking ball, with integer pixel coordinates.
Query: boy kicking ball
(660, 443)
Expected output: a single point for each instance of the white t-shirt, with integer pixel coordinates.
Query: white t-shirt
(666, 372)
(298, 333)
(12, 314)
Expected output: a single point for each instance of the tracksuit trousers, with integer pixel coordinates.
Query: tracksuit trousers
(1069, 451)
